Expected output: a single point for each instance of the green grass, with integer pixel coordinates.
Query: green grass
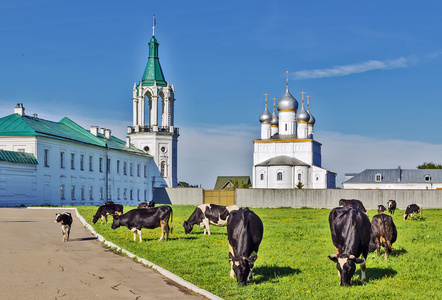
(292, 259)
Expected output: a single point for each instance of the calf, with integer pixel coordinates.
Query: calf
(411, 209)
(149, 204)
(391, 205)
(66, 222)
(383, 233)
(206, 214)
(244, 233)
(107, 209)
(351, 231)
(350, 202)
(151, 218)
(381, 208)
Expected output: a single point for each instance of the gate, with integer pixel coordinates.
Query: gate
(220, 197)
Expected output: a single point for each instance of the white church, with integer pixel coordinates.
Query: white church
(287, 156)
(61, 163)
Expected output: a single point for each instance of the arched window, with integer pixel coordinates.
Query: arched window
(378, 177)
(299, 177)
(62, 192)
(279, 176)
(262, 177)
(163, 169)
(73, 192)
(427, 178)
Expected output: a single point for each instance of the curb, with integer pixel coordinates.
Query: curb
(145, 262)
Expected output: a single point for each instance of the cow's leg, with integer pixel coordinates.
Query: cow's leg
(232, 273)
(206, 226)
(134, 232)
(69, 231)
(63, 231)
(163, 225)
(337, 252)
(139, 234)
(363, 267)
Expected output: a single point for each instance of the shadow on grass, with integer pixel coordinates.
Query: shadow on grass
(379, 273)
(267, 273)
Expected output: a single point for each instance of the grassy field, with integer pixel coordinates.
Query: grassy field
(292, 259)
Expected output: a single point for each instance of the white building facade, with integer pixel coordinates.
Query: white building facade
(69, 165)
(287, 156)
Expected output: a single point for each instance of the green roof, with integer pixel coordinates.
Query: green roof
(18, 157)
(153, 72)
(222, 181)
(65, 129)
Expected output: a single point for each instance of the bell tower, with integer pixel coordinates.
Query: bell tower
(154, 96)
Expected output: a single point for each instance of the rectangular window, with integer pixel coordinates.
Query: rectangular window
(125, 168)
(100, 165)
(131, 195)
(101, 193)
(91, 159)
(62, 160)
(72, 161)
(109, 195)
(82, 162)
(118, 193)
(62, 192)
(125, 194)
(108, 165)
(46, 159)
(21, 150)
(118, 167)
(138, 170)
(73, 192)
(131, 169)
(145, 171)
(82, 193)
(91, 193)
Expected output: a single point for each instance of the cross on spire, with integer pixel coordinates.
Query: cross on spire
(154, 23)
(266, 98)
(287, 82)
(302, 97)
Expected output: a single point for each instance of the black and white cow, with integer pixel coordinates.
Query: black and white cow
(383, 233)
(391, 205)
(381, 208)
(149, 204)
(351, 231)
(244, 233)
(109, 208)
(150, 218)
(206, 214)
(411, 209)
(350, 202)
(66, 222)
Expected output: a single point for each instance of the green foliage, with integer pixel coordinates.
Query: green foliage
(429, 165)
(299, 185)
(292, 259)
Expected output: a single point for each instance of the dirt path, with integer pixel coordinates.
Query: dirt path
(36, 264)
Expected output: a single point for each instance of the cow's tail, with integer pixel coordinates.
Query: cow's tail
(171, 220)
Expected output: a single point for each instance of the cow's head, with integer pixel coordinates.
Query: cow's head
(116, 222)
(346, 265)
(57, 218)
(242, 266)
(187, 227)
(95, 219)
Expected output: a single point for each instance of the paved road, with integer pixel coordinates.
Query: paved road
(36, 264)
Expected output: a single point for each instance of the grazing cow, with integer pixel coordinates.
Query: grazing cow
(149, 204)
(350, 202)
(411, 209)
(381, 208)
(351, 231)
(66, 222)
(383, 233)
(391, 205)
(206, 214)
(244, 233)
(107, 209)
(150, 218)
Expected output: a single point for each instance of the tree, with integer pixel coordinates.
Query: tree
(299, 185)
(429, 165)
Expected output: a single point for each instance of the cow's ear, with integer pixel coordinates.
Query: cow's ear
(230, 257)
(355, 259)
(252, 259)
(333, 257)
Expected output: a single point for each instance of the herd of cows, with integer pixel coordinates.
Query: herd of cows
(353, 234)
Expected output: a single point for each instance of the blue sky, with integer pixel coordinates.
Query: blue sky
(373, 70)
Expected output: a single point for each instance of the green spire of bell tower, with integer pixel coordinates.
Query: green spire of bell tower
(153, 72)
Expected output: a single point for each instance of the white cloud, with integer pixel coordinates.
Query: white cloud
(371, 65)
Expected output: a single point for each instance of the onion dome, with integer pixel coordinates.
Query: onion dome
(265, 117)
(275, 118)
(303, 115)
(312, 119)
(287, 101)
